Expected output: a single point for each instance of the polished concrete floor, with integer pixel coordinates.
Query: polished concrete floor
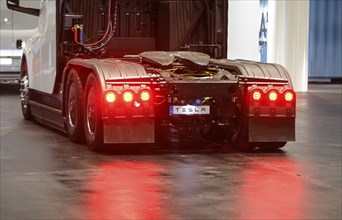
(45, 176)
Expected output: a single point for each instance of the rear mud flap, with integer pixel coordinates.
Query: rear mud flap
(129, 131)
(271, 129)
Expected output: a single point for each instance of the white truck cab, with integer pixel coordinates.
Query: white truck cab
(40, 50)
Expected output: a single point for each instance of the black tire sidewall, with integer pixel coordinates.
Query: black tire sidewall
(25, 111)
(94, 141)
(75, 132)
(240, 138)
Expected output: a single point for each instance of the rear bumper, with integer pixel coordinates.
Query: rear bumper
(271, 129)
(9, 77)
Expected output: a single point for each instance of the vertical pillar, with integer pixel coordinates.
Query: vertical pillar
(243, 29)
(288, 39)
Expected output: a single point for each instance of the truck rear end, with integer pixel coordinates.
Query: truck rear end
(126, 67)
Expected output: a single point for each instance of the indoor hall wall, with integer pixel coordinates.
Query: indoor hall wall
(288, 40)
(288, 31)
(325, 42)
(243, 29)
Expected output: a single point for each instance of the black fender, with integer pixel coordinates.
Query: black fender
(256, 71)
(250, 74)
(104, 69)
(107, 71)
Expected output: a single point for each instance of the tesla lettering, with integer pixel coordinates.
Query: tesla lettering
(190, 110)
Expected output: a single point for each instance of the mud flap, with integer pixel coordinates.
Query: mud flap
(129, 131)
(271, 129)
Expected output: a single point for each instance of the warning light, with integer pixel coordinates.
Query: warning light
(128, 96)
(110, 97)
(145, 96)
(198, 102)
(289, 96)
(273, 96)
(256, 95)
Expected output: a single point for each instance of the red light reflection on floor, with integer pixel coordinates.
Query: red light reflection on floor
(271, 190)
(126, 190)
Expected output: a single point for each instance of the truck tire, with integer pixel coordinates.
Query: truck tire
(24, 93)
(240, 134)
(269, 146)
(93, 128)
(74, 107)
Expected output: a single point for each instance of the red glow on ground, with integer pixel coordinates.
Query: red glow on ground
(270, 190)
(126, 190)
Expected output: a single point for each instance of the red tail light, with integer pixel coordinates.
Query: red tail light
(128, 96)
(145, 95)
(289, 96)
(256, 95)
(273, 95)
(110, 97)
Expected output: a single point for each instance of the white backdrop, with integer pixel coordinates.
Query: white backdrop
(288, 31)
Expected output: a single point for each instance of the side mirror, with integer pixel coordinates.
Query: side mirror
(15, 6)
(19, 44)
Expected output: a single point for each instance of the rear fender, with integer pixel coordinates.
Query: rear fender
(117, 128)
(250, 72)
(84, 66)
(267, 121)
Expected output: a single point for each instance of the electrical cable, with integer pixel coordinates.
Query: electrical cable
(109, 29)
(104, 43)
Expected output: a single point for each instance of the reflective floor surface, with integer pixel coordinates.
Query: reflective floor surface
(45, 176)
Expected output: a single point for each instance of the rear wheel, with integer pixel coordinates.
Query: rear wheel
(239, 136)
(93, 127)
(74, 107)
(24, 93)
(270, 145)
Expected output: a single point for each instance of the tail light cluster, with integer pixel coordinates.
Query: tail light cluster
(272, 96)
(272, 102)
(127, 101)
(128, 96)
